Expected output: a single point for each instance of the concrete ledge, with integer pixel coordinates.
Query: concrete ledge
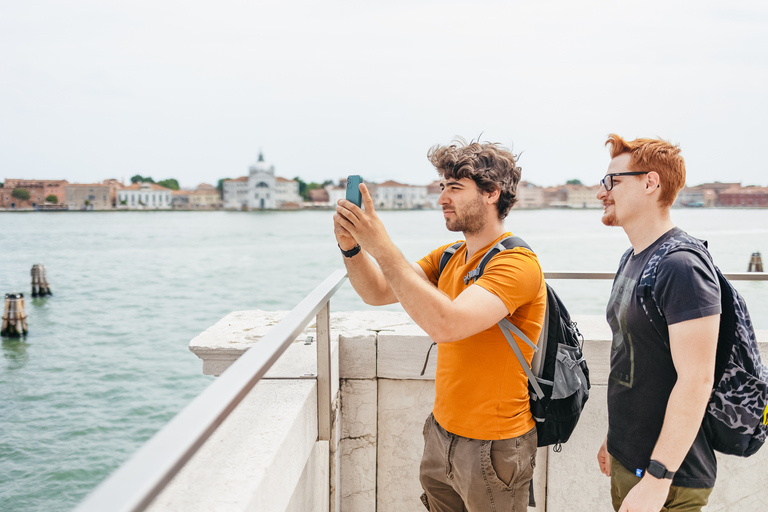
(257, 457)
(221, 344)
(312, 490)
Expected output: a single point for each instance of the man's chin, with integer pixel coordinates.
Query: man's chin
(451, 226)
(609, 219)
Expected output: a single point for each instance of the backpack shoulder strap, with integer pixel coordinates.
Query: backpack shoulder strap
(645, 287)
(507, 326)
(446, 256)
(511, 242)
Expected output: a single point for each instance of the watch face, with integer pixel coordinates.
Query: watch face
(658, 470)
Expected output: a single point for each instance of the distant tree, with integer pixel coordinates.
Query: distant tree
(220, 185)
(138, 178)
(52, 199)
(573, 182)
(302, 187)
(310, 186)
(305, 187)
(169, 183)
(21, 194)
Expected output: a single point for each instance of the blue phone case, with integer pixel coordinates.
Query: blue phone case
(353, 189)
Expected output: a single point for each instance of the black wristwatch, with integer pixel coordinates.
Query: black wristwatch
(658, 470)
(351, 252)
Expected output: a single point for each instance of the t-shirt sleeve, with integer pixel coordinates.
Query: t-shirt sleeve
(514, 276)
(431, 263)
(687, 287)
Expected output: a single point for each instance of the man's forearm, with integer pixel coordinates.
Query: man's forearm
(682, 420)
(368, 281)
(424, 303)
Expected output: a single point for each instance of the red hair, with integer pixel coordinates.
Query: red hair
(653, 155)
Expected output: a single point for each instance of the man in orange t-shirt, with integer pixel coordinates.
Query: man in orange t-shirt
(480, 440)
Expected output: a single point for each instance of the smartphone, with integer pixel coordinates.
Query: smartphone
(353, 189)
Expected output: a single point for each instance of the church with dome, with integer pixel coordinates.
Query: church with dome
(261, 189)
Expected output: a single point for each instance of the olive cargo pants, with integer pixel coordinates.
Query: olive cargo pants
(460, 474)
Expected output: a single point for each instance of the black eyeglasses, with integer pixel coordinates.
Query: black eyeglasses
(607, 181)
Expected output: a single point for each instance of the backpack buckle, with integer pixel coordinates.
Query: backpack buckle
(471, 276)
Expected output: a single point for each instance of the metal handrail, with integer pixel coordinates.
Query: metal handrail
(731, 276)
(133, 486)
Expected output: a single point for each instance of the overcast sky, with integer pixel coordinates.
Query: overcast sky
(193, 89)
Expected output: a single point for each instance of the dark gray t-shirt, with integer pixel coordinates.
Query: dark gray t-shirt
(642, 373)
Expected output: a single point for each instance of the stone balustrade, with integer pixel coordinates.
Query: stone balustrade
(266, 456)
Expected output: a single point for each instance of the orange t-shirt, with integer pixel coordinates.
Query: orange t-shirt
(481, 389)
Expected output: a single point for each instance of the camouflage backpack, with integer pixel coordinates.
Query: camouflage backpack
(735, 422)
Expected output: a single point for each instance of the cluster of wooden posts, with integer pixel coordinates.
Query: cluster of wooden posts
(14, 318)
(755, 263)
(14, 323)
(40, 286)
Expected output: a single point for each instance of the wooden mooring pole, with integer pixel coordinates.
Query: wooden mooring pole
(14, 318)
(40, 287)
(755, 263)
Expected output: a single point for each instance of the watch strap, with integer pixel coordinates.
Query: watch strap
(658, 470)
(353, 251)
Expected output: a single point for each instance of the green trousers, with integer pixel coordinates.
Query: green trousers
(679, 499)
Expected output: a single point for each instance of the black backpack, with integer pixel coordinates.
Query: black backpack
(558, 378)
(735, 422)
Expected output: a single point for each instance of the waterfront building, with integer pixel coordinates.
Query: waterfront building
(88, 196)
(529, 195)
(114, 185)
(38, 190)
(582, 196)
(321, 196)
(334, 193)
(394, 195)
(180, 199)
(699, 195)
(287, 193)
(750, 197)
(205, 197)
(144, 196)
(261, 189)
(235, 193)
(433, 194)
(556, 197)
(717, 188)
(261, 185)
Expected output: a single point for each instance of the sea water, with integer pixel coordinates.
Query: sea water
(106, 362)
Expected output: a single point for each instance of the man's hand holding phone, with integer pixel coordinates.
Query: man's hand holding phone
(353, 189)
(360, 224)
(345, 240)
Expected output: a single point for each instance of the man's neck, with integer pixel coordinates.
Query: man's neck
(476, 241)
(644, 231)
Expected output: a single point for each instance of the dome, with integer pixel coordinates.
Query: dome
(261, 165)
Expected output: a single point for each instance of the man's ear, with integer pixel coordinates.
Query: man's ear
(652, 181)
(493, 196)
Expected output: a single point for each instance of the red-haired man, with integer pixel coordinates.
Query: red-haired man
(656, 452)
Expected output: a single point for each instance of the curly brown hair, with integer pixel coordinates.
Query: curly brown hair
(653, 155)
(490, 165)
